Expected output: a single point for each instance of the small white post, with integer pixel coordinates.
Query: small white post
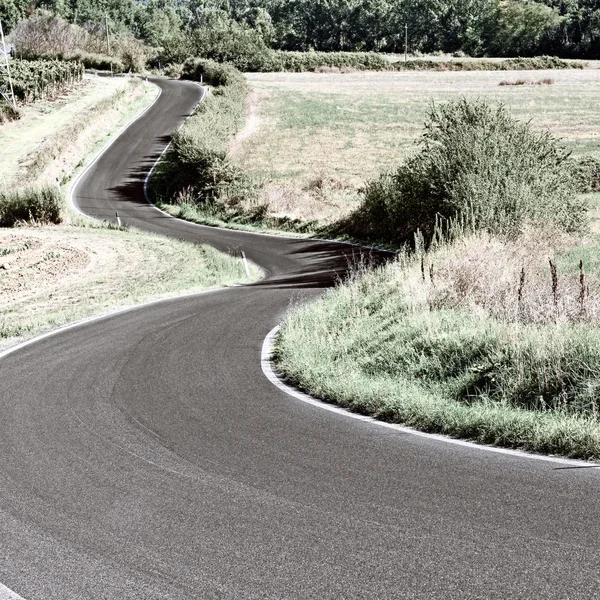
(245, 264)
(58, 185)
(118, 219)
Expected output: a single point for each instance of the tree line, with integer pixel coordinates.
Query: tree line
(567, 28)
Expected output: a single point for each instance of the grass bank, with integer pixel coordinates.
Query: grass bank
(58, 275)
(463, 345)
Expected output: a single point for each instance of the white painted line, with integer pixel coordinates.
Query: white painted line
(106, 315)
(277, 381)
(8, 594)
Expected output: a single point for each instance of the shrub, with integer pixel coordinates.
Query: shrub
(40, 205)
(476, 163)
(508, 64)
(309, 61)
(8, 113)
(212, 73)
(587, 173)
(197, 166)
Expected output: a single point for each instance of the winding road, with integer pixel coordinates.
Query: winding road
(145, 455)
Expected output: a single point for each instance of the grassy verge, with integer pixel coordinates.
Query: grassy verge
(57, 275)
(462, 348)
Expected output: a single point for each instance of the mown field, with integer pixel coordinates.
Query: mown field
(314, 138)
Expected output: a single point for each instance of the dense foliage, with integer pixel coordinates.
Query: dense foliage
(197, 167)
(34, 80)
(476, 163)
(226, 29)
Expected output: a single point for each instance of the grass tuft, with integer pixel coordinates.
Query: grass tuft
(41, 205)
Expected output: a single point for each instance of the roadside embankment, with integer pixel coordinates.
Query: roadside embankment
(51, 276)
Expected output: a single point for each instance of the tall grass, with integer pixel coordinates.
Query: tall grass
(43, 204)
(429, 341)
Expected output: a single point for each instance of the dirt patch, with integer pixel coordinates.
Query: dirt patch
(253, 122)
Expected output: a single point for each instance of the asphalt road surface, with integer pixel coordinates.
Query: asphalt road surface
(145, 455)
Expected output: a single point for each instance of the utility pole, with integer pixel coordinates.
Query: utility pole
(6, 92)
(107, 36)
(405, 42)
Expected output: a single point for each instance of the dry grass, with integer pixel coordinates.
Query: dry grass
(349, 127)
(55, 275)
(512, 281)
(43, 124)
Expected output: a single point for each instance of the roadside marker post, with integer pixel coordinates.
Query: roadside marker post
(245, 264)
(118, 219)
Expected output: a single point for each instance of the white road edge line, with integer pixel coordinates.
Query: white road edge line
(106, 315)
(269, 372)
(102, 152)
(8, 594)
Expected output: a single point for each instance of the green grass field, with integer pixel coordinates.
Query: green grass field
(315, 138)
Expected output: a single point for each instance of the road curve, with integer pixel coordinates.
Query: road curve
(144, 455)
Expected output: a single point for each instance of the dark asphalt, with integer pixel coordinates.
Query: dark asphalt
(145, 455)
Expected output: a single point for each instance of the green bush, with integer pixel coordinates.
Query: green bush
(508, 64)
(309, 61)
(36, 204)
(197, 165)
(213, 73)
(587, 173)
(476, 163)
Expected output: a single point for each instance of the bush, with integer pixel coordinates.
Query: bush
(239, 45)
(508, 64)
(197, 166)
(478, 164)
(587, 173)
(213, 73)
(8, 113)
(309, 61)
(40, 205)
